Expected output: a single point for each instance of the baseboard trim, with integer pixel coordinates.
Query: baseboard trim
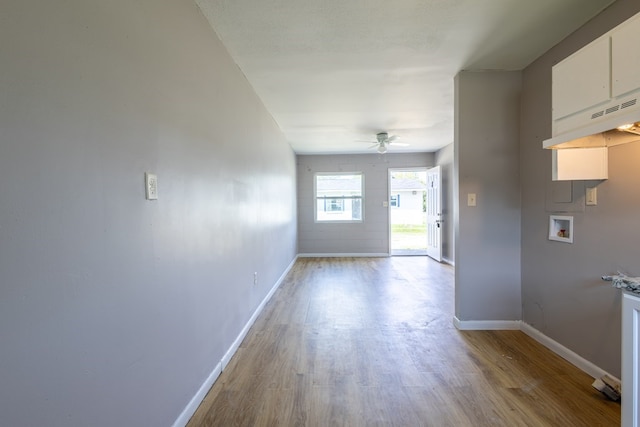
(463, 325)
(236, 344)
(495, 325)
(344, 255)
(448, 261)
(193, 404)
(562, 351)
(486, 325)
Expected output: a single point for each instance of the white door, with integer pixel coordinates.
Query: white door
(434, 214)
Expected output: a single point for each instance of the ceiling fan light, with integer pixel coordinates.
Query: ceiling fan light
(382, 149)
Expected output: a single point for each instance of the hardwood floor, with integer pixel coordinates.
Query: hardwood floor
(370, 342)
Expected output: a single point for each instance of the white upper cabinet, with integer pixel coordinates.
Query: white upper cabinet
(594, 91)
(582, 80)
(625, 57)
(600, 82)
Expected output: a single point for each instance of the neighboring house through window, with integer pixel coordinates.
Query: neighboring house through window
(339, 197)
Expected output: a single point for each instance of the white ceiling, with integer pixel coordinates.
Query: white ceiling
(335, 72)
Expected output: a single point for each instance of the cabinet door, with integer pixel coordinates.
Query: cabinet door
(582, 80)
(625, 57)
(630, 360)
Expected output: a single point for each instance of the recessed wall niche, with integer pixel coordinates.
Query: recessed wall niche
(561, 228)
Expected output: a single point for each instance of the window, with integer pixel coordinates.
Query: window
(395, 200)
(338, 197)
(334, 205)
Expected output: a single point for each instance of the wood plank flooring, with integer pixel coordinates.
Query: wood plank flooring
(370, 342)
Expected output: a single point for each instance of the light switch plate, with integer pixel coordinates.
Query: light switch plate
(592, 196)
(151, 186)
(471, 199)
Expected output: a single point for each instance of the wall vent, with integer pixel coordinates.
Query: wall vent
(629, 103)
(612, 109)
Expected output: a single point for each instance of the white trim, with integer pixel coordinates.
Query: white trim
(486, 325)
(388, 201)
(236, 344)
(463, 325)
(562, 351)
(343, 255)
(448, 261)
(576, 360)
(195, 401)
(193, 404)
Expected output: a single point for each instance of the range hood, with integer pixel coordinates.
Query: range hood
(621, 129)
(582, 153)
(595, 103)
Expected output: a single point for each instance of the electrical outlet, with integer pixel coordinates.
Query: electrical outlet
(151, 186)
(471, 199)
(255, 278)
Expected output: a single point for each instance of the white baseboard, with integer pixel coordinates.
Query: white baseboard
(463, 325)
(576, 360)
(344, 255)
(562, 351)
(193, 404)
(486, 325)
(195, 401)
(236, 344)
(448, 261)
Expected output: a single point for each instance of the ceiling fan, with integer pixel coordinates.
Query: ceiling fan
(384, 140)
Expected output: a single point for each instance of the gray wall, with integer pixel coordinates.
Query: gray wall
(114, 309)
(563, 296)
(372, 235)
(487, 237)
(445, 159)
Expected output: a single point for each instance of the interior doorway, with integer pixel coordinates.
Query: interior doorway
(408, 211)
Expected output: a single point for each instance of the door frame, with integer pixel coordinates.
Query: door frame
(388, 202)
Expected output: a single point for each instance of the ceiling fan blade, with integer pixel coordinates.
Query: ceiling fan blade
(391, 138)
(374, 145)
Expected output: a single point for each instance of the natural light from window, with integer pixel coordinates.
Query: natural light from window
(339, 197)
